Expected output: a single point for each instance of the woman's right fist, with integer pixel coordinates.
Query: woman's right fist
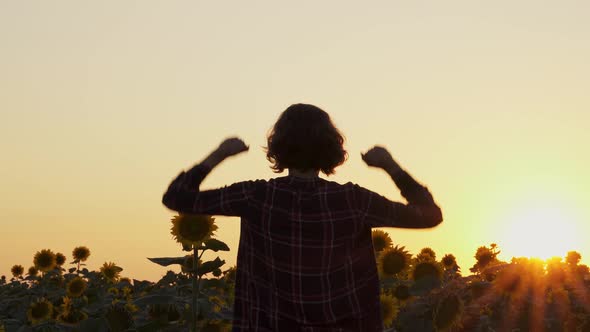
(378, 156)
(232, 146)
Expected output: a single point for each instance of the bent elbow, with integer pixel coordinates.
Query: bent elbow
(434, 219)
(168, 201)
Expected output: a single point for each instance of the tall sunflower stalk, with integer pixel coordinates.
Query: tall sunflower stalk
(196, 280)
(192, 231)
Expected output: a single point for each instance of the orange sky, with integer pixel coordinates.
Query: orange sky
(102, 104)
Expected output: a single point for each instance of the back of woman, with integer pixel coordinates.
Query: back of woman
(305, 259)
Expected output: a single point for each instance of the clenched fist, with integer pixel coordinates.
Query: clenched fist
(231, 147)
(379, 157)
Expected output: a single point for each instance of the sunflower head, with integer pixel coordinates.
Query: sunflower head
(393, 261)
(39, 311)
(110, 271)
(127, 291)
(389, 309)
(44, 260)
(485, 257)
(426, 254)
(80, 254)
(381, 240)
(76, 287)
(449, 261)
(425, 269)
(192, 229)
(32, 271)
(60, 259)
(68, 315)
(72, 316)
(125, 280)
(447, 312)
(17, 270)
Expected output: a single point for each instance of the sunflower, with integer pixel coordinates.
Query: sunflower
(17, 270)
(110, 271)
(125, 280)
(447, 312)
(426, 254)
(76, 287)
(127, 291)
(44, 260)
(69, 315)
(389, 309)
(449, 261)
(39, 311)
(381, 240)
(66, 303)
(393, 261)
(192, 229)
(60, 259)
(485, 257)
(80, 254)
(426, 269)
(33, 271)
(72, 316)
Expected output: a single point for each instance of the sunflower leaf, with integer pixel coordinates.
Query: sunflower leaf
(209, 266)
(165, 261)
(215, 245)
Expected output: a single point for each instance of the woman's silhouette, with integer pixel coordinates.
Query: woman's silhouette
(305, 259)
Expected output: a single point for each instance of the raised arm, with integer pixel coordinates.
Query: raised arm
(183, 194)
(378, 211)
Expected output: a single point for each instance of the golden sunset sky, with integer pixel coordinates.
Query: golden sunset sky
(103, 103)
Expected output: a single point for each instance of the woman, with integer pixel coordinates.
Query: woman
(305, 259)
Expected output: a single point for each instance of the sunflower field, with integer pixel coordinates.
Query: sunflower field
(419, 292)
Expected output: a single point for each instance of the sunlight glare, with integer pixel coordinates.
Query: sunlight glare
(539, 231)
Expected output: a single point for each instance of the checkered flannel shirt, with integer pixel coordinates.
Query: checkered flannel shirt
(305, 258)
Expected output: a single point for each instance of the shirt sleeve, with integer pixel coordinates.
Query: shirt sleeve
(183, 195)
(378, 211)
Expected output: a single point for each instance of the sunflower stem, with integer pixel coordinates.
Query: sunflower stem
(195, 289)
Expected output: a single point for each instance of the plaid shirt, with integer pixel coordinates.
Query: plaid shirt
(305, 259)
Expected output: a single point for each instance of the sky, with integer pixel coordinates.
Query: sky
(103, 103)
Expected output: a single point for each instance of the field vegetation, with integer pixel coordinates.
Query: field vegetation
(419, 292)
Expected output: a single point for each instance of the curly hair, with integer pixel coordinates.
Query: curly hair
(305, 138)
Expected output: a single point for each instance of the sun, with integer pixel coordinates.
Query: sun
(539, 230)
